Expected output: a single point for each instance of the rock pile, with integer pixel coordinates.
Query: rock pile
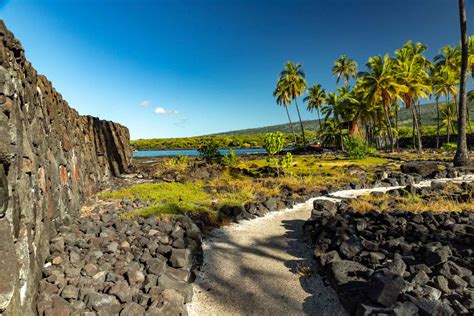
(109, 265)
(394, 262)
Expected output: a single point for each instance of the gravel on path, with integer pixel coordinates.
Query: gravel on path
(257, 267)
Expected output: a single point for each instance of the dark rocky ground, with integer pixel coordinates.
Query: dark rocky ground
(104, 264)
(394, 262)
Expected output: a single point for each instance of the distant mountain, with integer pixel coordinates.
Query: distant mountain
(428, 117)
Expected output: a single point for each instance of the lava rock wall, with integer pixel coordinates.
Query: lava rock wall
(51, 159)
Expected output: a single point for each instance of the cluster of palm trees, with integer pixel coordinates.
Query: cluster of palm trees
(389, 83)
(369, 106)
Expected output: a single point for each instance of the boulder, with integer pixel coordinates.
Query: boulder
(180, 258)
(423, 168)
(326, 206)
(344, 271)
(385, 287)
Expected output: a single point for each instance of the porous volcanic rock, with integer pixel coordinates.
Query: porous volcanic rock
(108, 265)
(51, 160)
(395, 262)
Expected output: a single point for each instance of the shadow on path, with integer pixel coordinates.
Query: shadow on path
(252, 270)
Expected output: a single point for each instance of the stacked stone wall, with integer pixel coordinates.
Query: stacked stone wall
(51, 160)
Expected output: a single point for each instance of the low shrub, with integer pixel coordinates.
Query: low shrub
(357, 148)
(210, 152)
(231, 159)
(179, 162)
(449, 147)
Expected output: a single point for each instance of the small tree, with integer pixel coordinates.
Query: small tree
(231, 159)
(210, 152)
(273, 144)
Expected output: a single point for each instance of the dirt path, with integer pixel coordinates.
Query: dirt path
(250, 269)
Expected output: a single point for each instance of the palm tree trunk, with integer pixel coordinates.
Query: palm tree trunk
(418, 134)
(396, 125)
(420, 122)
(437, 120)
(301, 123)
(389, 127)
(449, 116)
(468, 119)
(462, 155)
(292, 127)
(319, 119)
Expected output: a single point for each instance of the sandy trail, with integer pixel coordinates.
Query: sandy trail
(250, 269)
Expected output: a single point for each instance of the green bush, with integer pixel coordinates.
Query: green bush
(449, 147)
(287, 161)
(180, 162)
(273, 143)
(231, 159)
(357, 148)
(210, 152)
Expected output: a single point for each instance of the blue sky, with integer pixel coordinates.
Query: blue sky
(184, 68)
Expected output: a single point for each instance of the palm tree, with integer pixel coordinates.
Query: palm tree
(462, 154)
(381, 87)
(450, 56)
(282, 98)
(333, 110)
(344, 68)
(315, 99)
(292, 80)
(448, 81)
(330, 131)
(411, 71)
(357, 110)
(438, 91)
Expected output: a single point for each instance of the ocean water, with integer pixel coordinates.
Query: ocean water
(193, 152)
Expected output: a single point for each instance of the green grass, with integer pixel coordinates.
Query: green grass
(178, 198)
(308, 174)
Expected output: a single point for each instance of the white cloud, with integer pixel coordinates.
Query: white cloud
(182, 122)
(163, 111)
(145, 103)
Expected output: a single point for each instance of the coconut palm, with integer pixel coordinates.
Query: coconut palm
(450, 57)
(447, 86)
(462, 154)
(292, 80)
(358, 111)
(282, 98)
(333, 111)
(315, 99)
(448, 118)
(381, 88)
(330, 131)
(438, 91)
(344, 67)
(411, 71)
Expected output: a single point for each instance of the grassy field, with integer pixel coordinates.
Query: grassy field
(307, 174)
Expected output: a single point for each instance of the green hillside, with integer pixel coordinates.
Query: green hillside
(251, 138)
(428, 117)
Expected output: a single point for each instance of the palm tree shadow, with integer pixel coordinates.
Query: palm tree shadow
(322, 295)
(249, 288)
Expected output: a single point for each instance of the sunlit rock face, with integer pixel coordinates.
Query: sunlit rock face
(51, 159)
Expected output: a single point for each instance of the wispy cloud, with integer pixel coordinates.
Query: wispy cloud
(163, 111)
(182, 122)
(145, 103)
